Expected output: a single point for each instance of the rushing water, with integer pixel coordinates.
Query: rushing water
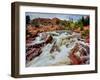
(59, 49)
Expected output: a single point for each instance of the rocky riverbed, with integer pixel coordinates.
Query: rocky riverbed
(56, 48)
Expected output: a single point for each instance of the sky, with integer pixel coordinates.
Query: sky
(75, 17)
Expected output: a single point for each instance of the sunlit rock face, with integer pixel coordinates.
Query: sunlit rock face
(57, 48)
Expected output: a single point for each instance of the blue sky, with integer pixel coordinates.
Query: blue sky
(33, 15)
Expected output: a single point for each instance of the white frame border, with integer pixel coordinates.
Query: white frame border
(38, 70)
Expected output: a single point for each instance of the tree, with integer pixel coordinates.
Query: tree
(85, 20)
(27, 19)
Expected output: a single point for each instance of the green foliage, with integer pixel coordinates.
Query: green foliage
(34, 23)
(85, 33)
(80, 24)
(68, 25)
